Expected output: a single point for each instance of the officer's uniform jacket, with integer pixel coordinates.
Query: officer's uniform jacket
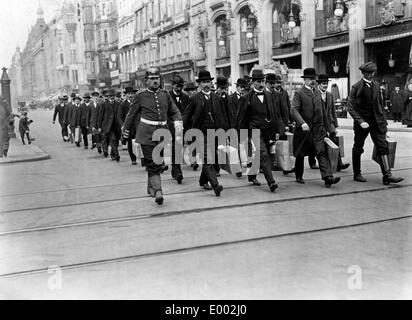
(154, 106)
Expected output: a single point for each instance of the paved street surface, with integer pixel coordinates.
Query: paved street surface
(91, 218)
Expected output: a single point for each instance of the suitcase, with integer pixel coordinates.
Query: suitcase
(391, 156)
(283, 159)
(77, 135)
(332, 152)
(289, 137)
(341, 146)
(231, 156)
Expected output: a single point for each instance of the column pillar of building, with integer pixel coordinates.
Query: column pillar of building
(235, 49)
(265, 32)
(210, 47)
(307, 26)
(357, 23)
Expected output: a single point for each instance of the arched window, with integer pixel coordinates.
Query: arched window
(222, 36)
(281, 16)
(248, 30)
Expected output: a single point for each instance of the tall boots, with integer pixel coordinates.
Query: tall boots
(155, 189)
(356, 162)
(386, 171)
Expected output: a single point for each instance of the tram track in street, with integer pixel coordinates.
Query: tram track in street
(194, 210)
(200, 247)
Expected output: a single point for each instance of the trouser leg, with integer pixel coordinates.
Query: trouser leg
(153, 169)
(130, 150)
(208, 169)
(265, 161)
(105, 143)
(357, 150)
(114, 144)
(22, 137)
(299, 166)
(28, 137)
(312, 160)
(324, 164)
(85, 132)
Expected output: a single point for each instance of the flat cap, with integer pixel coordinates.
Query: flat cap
(368, 67)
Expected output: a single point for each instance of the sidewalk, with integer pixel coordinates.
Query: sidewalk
(23, 153)
(347, 123)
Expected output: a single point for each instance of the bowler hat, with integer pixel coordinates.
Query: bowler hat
(242, 82)
(177, 79)
(64, 97)
(77, 98)
(222, 82)
(368, 67)
(204, 75)
(257, 74)
(322, 78)
(118, 94)
(87, 96)
(73, 95)
(309, 73)
(273, 78)
(190, 87)
(95, 94)
(129, 90)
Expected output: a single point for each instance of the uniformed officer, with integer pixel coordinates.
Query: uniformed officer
(365, 105)
(155, 108)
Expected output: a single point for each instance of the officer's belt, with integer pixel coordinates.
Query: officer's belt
(153, 123)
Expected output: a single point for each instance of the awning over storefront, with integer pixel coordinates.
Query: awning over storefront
(287, 55)
(401, 29)
(388, 38)
(249, 61)
(331, 47)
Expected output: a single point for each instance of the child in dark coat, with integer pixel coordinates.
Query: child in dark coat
(24, 127)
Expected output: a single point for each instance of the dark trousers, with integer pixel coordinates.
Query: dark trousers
(114, 144)
(22, 134)
(105, 142)
(379, 140)
(65, 132)
(265, 159)
(397, 116)
(312, 160)
(85, 132)
(208, 173)
(96, 139)
(130, 150)
(324, 164)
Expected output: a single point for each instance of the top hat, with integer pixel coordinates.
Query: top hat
(309, 73)
(129, 90)
(322, 78)
(204, 75)
(177, 79)
(222, 82)
(273, 78)
(368, 67)
(110, 93)
(242, 82)
(190, 87)
(257, 74)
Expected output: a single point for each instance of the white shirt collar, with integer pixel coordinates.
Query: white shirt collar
(206, 93)
(257, 91)
(367, 81)
(309, 88)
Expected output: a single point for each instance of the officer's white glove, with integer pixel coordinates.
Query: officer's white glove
(178, 127)
(364, 125)
(305, 127)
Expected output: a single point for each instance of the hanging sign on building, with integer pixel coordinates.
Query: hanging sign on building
(153, 42)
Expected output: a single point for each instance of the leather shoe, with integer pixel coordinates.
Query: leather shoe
(286, 172)
(300, 180)
(179, 179)
(218, 189)
(164, 168)
(195, 166)
(117, 158)
(159, 198)
(239, 174)
(343, 166)
(331, 180)
(273, 186)
(134, 163)
(106, 154)
(314, 167)
(206, 186)
(359, 178)
(387, 179)
(255, 182)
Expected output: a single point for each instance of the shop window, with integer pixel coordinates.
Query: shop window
(248, 30)
(281, 16)
(222, 37)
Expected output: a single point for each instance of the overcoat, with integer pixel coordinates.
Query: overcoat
(108, 118)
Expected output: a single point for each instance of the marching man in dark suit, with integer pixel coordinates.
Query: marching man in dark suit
(206, 112)
(311, 129)
(109, 125)
(328, 103)
(365, 105)
(155, 108)
(234, 102)
(73, 116)
(84, 119)
(121, 116)
(181, 100)
(260, 110)
(94, 112)
(60, 110)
